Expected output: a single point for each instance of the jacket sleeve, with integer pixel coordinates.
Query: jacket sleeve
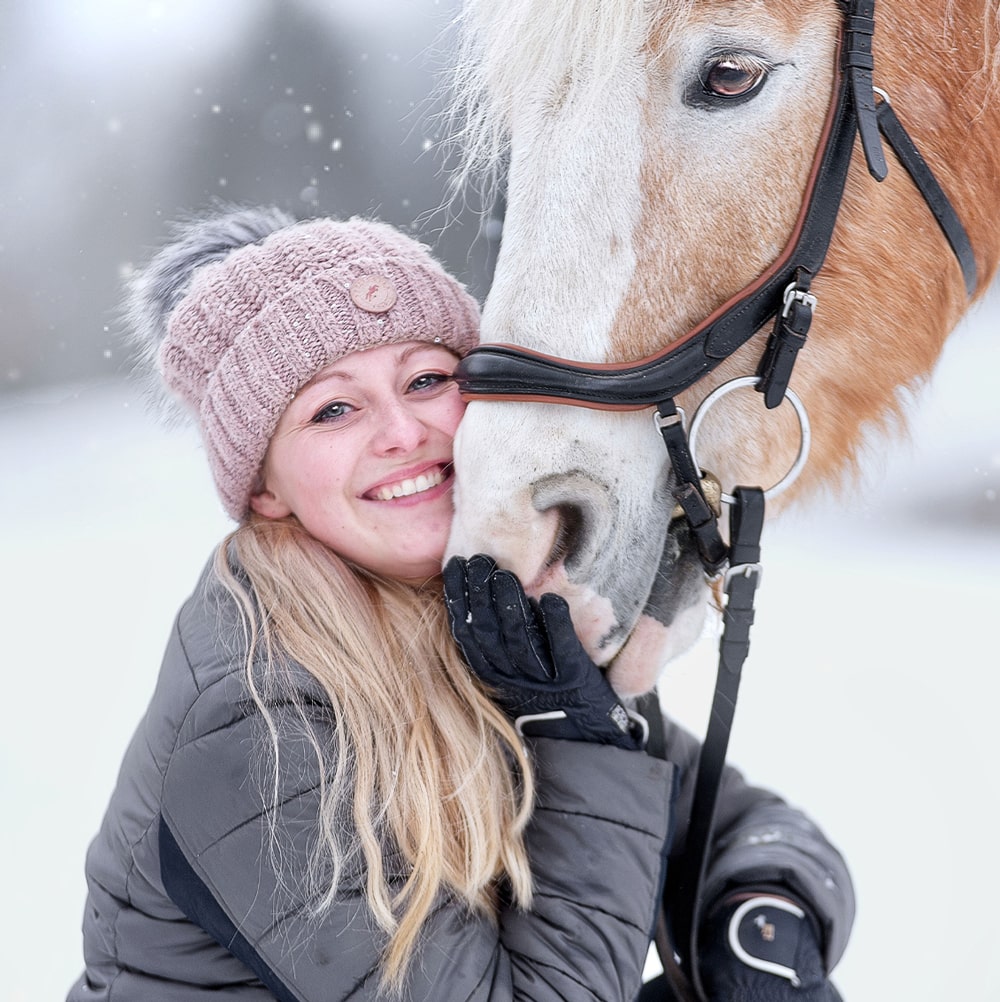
(596, 844)
(761, 841)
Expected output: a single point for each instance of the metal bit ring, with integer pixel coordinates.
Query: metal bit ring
(804, 442)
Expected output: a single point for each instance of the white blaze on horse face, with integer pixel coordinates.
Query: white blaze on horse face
(578, 202)
(629, 219)
(566, 507)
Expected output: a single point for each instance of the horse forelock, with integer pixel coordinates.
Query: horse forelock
(542, 46)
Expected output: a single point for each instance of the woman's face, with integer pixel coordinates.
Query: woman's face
(362, 457)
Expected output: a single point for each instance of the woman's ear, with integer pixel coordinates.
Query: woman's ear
(268, 504)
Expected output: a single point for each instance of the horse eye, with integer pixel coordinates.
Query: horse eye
(733, 76)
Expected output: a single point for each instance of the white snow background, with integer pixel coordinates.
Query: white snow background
(869, 696)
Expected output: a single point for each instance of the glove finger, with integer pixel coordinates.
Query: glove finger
(456, 597)
(482, 616)
(558, 626)
(456, 592)
(521, 632)
(479, 570)
(466, 586)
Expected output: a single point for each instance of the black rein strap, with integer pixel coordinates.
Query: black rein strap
(684, 879)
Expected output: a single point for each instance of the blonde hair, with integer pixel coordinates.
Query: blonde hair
(423, 759)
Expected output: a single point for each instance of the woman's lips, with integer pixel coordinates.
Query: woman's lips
(408, 486)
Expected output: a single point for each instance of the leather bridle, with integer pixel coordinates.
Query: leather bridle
(509, 372)
(782, 294)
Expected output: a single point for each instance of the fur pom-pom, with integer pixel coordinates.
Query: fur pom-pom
(153, 292)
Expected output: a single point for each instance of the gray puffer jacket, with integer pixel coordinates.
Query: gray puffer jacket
(185, 904)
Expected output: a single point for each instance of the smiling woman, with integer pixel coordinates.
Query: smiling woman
(408, 787)
(318, 765)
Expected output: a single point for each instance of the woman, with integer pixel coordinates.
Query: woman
(324, 799)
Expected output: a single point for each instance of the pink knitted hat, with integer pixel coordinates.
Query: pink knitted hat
(245, 308)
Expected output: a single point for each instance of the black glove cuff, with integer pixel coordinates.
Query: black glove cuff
(556, 724)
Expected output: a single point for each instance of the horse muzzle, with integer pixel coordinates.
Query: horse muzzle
(597, 531)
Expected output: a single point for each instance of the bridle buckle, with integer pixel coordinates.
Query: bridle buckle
(662, 421)
(794, 294)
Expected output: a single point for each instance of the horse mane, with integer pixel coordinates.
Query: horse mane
(556, 44)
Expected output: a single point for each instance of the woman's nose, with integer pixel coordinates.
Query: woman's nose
(398, 429)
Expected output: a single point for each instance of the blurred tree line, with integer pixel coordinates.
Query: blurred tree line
(118, 118)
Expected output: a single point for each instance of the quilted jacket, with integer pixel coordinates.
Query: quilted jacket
(185, 900)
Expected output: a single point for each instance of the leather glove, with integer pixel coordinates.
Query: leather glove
(529, 655)
(762, 947)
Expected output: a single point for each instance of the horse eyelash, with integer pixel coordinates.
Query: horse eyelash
(698, 94)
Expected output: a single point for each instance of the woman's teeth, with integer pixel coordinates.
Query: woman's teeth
(415, 486)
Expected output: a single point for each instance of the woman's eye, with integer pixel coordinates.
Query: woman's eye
(731, 77)
(333, 411)
(429, 381)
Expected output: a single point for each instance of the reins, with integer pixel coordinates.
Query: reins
(782, 294)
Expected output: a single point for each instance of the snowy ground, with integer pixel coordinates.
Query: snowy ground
(868, 698)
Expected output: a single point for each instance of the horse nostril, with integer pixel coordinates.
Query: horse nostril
(584, 510)
(569, 536)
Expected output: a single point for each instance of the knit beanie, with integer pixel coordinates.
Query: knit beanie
(243, 308)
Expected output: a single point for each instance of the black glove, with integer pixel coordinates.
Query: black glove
(530, 657)
(762, 947)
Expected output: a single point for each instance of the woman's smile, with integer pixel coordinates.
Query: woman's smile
(411, 485)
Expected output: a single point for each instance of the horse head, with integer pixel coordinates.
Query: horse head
(658, 157)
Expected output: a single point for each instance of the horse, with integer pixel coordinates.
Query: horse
(657, 157)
